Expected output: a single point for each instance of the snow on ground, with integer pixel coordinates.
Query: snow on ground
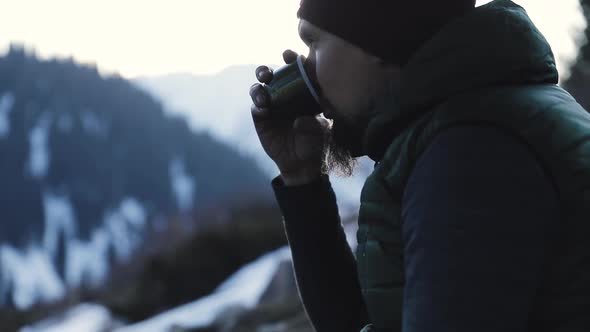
(39, 156)
(28, 277)
(87, 262)
(6, 104)
(133, 212)
(82, 318)
(93, 124)
(183, 185)
(59, 221)
(244, 288)
(32, 276)
(124, 226)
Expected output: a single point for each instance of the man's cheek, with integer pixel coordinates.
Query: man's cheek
(325, 76)
(332, 90)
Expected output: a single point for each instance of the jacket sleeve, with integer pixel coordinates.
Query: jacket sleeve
(476, 212)
(325, 268)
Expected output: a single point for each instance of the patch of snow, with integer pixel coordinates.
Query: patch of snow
(244, 288)
(59, 219)
(93, 124)
(6, 104)
(183, 185)
(124, 226)
(87, 262)
(82, 318)
(31, 275)
(133, 212)
(38, 163)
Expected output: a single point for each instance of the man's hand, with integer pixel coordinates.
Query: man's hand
(298, 145)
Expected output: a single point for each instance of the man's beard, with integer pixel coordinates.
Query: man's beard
(346, 139)
(341, 147)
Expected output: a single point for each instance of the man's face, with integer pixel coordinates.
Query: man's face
(350, 81)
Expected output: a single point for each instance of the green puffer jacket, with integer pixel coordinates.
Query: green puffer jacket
(492, 66)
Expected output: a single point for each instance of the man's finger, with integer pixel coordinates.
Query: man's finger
(259, 95)
(290, 56)
(258, 112)
(264, 74)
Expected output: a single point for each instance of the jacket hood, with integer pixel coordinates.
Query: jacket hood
(496, 44)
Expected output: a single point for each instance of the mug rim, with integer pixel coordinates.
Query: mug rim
(306, 78)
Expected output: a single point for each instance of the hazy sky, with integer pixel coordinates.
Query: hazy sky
(151, 37)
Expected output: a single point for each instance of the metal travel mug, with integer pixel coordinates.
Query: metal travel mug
(291, 91)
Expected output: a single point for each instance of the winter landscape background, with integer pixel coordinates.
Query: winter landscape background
(142, 202)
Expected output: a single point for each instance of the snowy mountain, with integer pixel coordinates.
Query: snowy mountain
(250, 298)
(88, 166)
(201, 313)
(220, 104)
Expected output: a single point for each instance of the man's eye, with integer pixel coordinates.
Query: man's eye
(308, 40)
(312, 44)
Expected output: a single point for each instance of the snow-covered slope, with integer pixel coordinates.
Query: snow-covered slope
(86, 164)
(243, 289)
(30, 276)
(82, 318)
(260, 281)
(6, 103)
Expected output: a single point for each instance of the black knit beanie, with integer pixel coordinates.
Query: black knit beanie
(390, 29)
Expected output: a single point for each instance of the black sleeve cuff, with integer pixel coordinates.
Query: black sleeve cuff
(312, 204)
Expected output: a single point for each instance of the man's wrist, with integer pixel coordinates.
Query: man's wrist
(301, 178)
(303, 205)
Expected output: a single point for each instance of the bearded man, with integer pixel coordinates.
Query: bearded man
(476, 216)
